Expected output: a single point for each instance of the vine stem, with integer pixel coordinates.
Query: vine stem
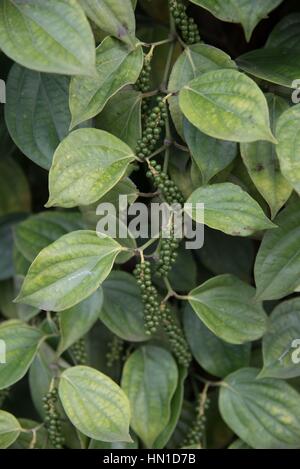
(208, 382)
(158, 43)
(172, 293)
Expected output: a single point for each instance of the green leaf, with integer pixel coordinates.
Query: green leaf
(86, 165)
(10, 429)
(288, 134)
(115, 17)
(225, 305)
(37, 112)
(265, 413)
(14, 188)
(122, 117)
(38, 231)
(75, 322)
(183, 275)
(36, 435)
(239, 444)
(247, 12)
(40, 375)
(7, 224)
(176, 408)
(229, 209)
(227, 104)
(209, 154)
(277, 265)
(122, 311)
(21, 342)
(95, 404)
(116, 66)
(281, 341)
(280, 65)
(194, 61)
(262, 163)
(96, 444)
(68, 270)
(213, 354)
(47, 36)
(286, 33)
(150, 378)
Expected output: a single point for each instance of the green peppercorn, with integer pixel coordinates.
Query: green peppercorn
(115, 351)
(175, 334)
(52, 419)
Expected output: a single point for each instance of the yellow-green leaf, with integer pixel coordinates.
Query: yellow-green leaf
(227, 104)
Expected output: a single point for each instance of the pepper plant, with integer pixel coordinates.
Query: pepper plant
(118, 342)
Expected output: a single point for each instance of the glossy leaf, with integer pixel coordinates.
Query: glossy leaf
(22, 342)
(86, 165)
(277, 265)
(288, 134)
(38, 231)
(122, 116)
(262, 163)
(217, 357)
(75, 322)
(116, 66)
(265, 413)
(280, 65)
(149, 380)
(68, 270)
(37, 112)
(10, 429)
(229, 209)
(122, 311)
(209, 154)
(176, 408)
(225, 305)
(227, 104)
(247, 12)
(281, 342)
(47, 36)
(194, 61)
(95, 404)
(116, 17)
(286, 33)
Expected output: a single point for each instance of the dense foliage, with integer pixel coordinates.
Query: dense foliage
(111, 342)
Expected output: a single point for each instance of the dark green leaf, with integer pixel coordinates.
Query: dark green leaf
(150, 378)
(277, 266)
(214, 355)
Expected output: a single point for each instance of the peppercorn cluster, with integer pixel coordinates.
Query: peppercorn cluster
(52, 419)
(143, 83)
(196, 431)
(167, 252)
(3, 395)
(78, 351)
(161, 181)
(150, 297)
(115, 350)
(186, 25)
(176, 337)
(154, 124)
